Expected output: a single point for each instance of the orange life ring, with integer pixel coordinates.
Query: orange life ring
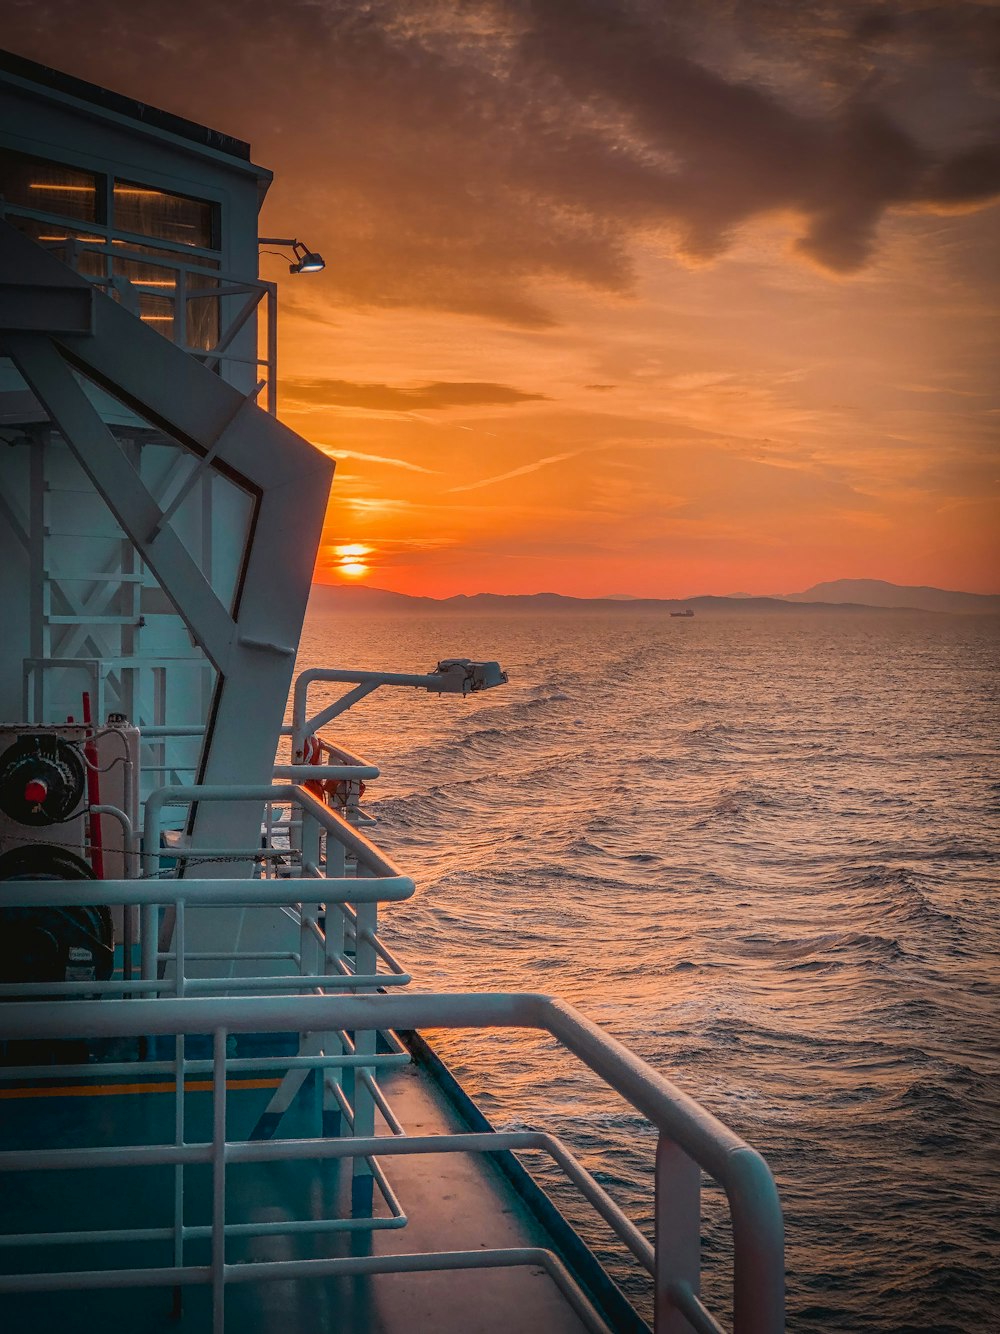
(313, 754)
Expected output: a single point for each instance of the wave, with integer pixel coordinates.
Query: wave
(860, 945)
(896, 891)
(739, 803)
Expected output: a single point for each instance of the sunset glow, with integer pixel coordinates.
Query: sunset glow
(626, 299)
(346, 561)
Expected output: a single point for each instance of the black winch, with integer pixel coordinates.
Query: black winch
(41, 943)
(42, 779)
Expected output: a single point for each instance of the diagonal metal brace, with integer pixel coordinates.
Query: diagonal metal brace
(109, 468)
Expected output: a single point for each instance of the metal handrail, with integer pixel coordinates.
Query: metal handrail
(689, 1137)
(355, 843)
(216, 893)
(182, 895)
(114, 245)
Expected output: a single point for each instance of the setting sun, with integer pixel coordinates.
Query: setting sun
(348, 560)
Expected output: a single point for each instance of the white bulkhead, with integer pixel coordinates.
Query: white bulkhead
(158, 525)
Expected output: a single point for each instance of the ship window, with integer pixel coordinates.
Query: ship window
(50, 187)
(169, 217)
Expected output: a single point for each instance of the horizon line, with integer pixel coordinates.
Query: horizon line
(650, 597)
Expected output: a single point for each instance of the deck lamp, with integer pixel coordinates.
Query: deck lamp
(452, 676)
(306, 260)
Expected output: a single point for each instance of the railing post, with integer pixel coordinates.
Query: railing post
(310, 955)
(268, 836)
(309, 835)
(149, 937)
(178, 1169)
(296, 834)
(219, 1181)
(365, 962)
(310, 951)
(149, 917)
(180, 947)
(271, 315)
(678, 1234)
(758, 1247)
(333, 934)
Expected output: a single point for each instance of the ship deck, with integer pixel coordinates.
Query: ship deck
(452, 1201)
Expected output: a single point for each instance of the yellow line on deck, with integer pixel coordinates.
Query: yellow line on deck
(110, 1090)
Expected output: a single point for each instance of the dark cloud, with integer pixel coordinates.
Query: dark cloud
(395, 398)
(736, 149)
(450, 156)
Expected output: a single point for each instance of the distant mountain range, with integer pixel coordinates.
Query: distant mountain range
(846, 595)
(877, 593)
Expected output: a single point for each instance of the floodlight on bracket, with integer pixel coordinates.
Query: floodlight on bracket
(306, 260)
(452, 676)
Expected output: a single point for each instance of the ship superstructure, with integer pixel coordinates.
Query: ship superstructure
(217, 1108)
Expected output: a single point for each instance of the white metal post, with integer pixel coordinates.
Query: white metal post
(678, 1234)
(219, 1181)
(179, 1078)
(333, 933)
(365, 963)
(310, 959)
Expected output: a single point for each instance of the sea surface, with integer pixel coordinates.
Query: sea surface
(761, 850)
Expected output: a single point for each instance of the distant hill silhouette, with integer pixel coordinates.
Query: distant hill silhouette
(844, 595)
(877, 593)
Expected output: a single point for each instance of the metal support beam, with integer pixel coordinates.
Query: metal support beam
(287, 478)
(105, 462)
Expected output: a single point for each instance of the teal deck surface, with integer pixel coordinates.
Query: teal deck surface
(454, 1202)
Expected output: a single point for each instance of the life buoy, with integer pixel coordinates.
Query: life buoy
(332, 791)
(313, 754)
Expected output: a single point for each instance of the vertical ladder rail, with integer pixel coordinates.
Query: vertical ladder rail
(219, 1181)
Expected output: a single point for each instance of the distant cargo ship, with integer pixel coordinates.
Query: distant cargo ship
(686, 612)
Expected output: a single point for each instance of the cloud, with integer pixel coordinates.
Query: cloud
(466, 158)
(384, 397)
(336, 452)
(729, 150)
(523, 471)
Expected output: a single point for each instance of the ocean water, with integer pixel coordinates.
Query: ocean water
(763, 852)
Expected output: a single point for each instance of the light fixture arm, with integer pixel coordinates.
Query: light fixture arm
(306, 260)
(452, 676)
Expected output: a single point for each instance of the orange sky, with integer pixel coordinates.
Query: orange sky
(615, 302)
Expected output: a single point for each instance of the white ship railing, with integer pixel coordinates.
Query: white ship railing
(181, 895)
(342, 878)
(240, 302)
(690, 1140)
